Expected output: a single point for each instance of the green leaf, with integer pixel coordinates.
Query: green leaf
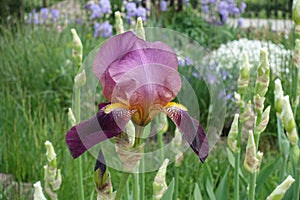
(197, 193)
(223, 189)
(209, 186)
(263, 175)
(168, 195)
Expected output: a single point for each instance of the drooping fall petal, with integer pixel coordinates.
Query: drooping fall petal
(190, 128)
(96, 129)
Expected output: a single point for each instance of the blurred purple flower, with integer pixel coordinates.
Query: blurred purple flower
(205, 8)
(55, 14)
(141, 12)
(236, 11)
(103, 30)
(163, 5)
(223, 8)
(243, 7)
(96, 11)
(105, 6)
(44, 13)
(240, 22)
(131, 9)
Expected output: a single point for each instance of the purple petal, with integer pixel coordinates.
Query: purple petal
(96, 129)
(191, 130)
(125, 52)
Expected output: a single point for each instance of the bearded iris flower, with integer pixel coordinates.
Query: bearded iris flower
(139, 79)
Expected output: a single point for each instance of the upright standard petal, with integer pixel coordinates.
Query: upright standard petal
(190, 128)
(96, 129)
(126, 52)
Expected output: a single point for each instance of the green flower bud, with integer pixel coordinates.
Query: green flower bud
(80, 79)
(295, 155)
(71, 117)
(296, 54)
(238, 99)
(159, 184)
(50, 154)
(77, 48)
(263, 74)
(243, 80)
(246, 115)
(259, 103)
(38, 192)
(233, 134)
(251, 162)
(161, 122)
(140, 31)
(281, 189)
(264, 121)
(289, 121)
(102, 178)
(119, 23)
(178, 159)
(278, 95)
(259, 157)
(296, 12)
(130, 130)
(176, 141)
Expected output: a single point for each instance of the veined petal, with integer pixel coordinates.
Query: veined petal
(190, 128)
(96, 129)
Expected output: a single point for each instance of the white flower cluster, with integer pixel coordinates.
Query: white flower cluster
(230, 55)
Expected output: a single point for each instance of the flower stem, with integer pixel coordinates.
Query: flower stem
(160, 145)
(252, 186)
(297, 185)
(176, 182)
(237, 160)
(142, 181)
(79, 161)
(136, 186)
(122, 185)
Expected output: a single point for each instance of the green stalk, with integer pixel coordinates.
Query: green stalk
(297, 185)
(142, 181)
(127, 195)
(176, 182)
(252, 186)
(136, 187)
(237, 160)
(122, 185)
(160, 145)
(78, 161)
(295, 92)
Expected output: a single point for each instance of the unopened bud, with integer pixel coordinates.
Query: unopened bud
(80, 79)
(278, 95)
(71, 117)
(140, 31)
(289, 121)
(295, 155)
(233, 134)
(246, 115)
(296, 12)
(259, 157)
(50, 154)
(176, 141)
(119, 23)
(259, 103)
(243, 80)
(263, 74)
(296, 54)
(178, 159)
(264, 121)
(161, 122)
(130, 131)
(281, 189)
(102, 177)
(38, 192)
(77, 48)
(159, 184)
(251, 161)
